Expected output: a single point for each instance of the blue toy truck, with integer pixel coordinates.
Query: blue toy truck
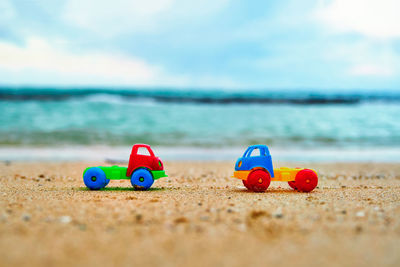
(256, 171)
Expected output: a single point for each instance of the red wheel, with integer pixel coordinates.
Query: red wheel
(306, 180)
(292, 184)
(246, 184)
(258, 181)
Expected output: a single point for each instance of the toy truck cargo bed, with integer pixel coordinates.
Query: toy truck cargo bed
(282, 174)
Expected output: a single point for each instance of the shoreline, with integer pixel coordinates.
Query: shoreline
(121, 154)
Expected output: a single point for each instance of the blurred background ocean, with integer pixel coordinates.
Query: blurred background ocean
(85, 80)
(210, 120)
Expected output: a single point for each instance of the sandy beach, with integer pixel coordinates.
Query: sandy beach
(199, 216)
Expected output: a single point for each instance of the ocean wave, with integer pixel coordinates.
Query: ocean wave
(301, 97)
(115, 99)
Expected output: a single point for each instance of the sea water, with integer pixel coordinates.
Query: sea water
(287, 121)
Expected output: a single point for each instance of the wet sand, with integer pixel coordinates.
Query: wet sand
(199, 216)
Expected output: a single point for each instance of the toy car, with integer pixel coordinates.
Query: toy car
(143, 169)
(256, 172)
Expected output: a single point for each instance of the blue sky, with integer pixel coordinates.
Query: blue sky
(340, 44)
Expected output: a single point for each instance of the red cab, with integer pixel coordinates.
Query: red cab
(143, 157)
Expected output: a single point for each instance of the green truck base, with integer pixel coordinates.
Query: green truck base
(119, 173)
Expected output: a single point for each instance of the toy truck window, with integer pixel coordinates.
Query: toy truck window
(255, 152)
(246, 152)
(143, 151)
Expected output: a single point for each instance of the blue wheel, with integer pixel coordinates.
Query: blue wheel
(95, 178)
(142, 179)
(106, 183)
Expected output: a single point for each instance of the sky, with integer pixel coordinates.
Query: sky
(228, 44)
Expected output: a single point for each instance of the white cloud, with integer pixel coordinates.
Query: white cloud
(371, 70)
(116, 17)
(364, 58)
(40, 57)
(43, 62)
(122, 17)
(374, 18)
(196, 9)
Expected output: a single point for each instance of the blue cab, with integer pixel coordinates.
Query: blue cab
(255, 156)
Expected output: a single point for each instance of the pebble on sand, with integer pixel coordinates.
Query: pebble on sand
(278, 213)
(65, 219)
(26, 217)
(360, 214)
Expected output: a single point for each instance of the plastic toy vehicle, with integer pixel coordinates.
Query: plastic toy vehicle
(142, 170)
(256, 172)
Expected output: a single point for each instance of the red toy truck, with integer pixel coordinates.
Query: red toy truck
(143, 169)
